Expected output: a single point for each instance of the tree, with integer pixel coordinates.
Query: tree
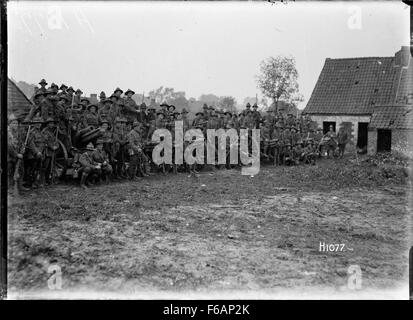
(168, 95)
(278, 80)
(228, 103)
(209, 99)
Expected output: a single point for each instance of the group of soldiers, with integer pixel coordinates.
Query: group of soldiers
(61, 115)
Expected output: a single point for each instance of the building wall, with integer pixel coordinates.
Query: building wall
(372, 142)
(401, 142)
(343, 120)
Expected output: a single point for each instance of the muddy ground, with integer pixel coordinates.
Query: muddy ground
(219, 231)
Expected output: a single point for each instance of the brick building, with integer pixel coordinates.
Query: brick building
(391, 129)
(349, 90)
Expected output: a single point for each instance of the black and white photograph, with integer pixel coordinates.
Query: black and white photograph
(207, 150)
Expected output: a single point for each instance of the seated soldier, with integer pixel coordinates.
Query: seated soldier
(298, 152)
(89, 166)
(101, 157)
(310, 152)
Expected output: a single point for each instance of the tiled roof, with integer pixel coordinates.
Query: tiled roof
(17, 103)
(356, 85)
(392, 117)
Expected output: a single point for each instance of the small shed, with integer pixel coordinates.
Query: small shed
(17, 102)
(391, 129)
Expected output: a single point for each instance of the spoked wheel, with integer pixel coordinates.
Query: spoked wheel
(61, 160)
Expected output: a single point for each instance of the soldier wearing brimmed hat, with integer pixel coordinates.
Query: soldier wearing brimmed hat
(102, 158)
(91, 117)
(35, 153)
(185, 120)
(43, 85)
(104, 111)
(89, 166)
(15, 152)
(78, 97)
(130, 108)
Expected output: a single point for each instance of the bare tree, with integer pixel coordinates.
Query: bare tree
(278, 80)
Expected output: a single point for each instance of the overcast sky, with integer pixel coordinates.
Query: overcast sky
(198, 47)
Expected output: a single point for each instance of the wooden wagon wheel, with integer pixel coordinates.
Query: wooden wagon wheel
(61, 160)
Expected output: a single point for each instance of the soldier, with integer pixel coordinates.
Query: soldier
(107, 138)
(63, 90)
(89, 166)
(331, 141)
(50, 135)
(298, 152)
(135, 145)
(160, 122)
(342, 139)
(265, 136)
(70, 94)
(54, 88)
(104, 111)
(91, 117)
(198, 119)
(35, 155)
(120, 142)
(101, 103)
(256, 115)
(78, 96)
(247, 108)
(15, 151)
(43, 85)
(185, 120)
(102, 159)
(130, 109)
(151, 113)
(309, 153)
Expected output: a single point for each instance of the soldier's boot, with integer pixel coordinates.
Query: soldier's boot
(147, 169)
(83, 181)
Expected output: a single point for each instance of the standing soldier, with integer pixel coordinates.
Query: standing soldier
(104, 112)
(256, 115)
(15, 151)
(130, 108)
(342, 139)
(35, 155)
(120, 141)
(101, 103)
(185, 120)
(50, 135)
(135, 144)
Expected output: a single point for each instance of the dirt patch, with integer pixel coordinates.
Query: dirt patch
(218, 231)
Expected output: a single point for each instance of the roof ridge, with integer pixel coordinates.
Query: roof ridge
(360, 58)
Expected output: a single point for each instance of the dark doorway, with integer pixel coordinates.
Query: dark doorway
(383, 140)
(327, 124)
(362, 135)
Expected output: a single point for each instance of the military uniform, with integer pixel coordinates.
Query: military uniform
(50, 148)
(88, 165)
(101, 157)
(35, 154)
(135, 145)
